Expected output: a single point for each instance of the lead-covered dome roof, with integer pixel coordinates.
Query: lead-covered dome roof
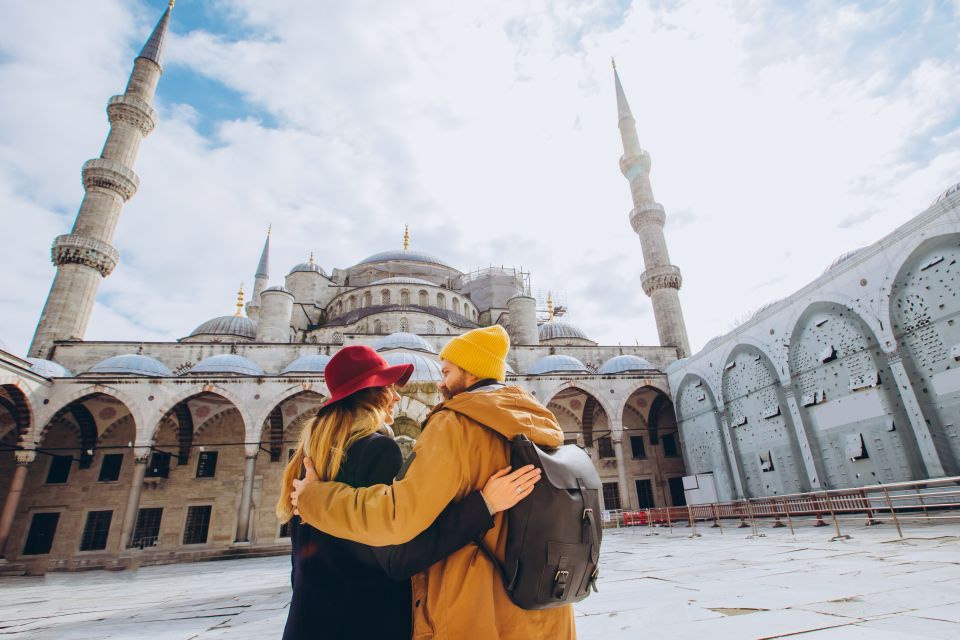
(311, 363)
(403, 340)
(557, 364)
(48, 368)
(557, 330)
(625, 364)
(239, 326)
(409, 256)
(134, 364)
(424, 369)
(307, 267)
(227, 363)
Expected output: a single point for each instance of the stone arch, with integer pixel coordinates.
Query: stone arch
(868, 316)
(649, 423)
(404, 426)
(194, 391)
(441, 301)
(82, 415)
(404, 325)
(847, 400)
(587, 388)
(286, 414)
(16, 412)
(762, 432)
(701, 431)
(456, 305)
(923, 305)
(776, 358)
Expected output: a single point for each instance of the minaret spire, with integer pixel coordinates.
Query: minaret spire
(661, 280)
(260, 279)
(85, 256)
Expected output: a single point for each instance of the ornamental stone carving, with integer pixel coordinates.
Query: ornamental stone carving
(90, 252)
(132, 110)
(107, 174)
(666, 277)
(25, 456)
(651, 213)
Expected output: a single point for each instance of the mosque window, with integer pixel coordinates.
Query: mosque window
(207, 464)
(424, 299)
(677, 495)
(353, 303)
(159, 466)
(147, 530)
(403, 325)
(59, 469)
(456, 305)
(377, 326)
(611, 496)
(96, 530)
(645, 494)
(441, 301)
(404, 296)
(110, 467)
(431, 327)
(338, 338)
(367, 299)
(636, 445)
(605, 447)
(198, 525)
(385, 297)
(43, 527)
(669, 445)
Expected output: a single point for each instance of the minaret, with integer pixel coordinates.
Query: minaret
(260, 280)
(85, 255)
(661, 280)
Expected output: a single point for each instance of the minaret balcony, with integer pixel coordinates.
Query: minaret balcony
(132, 110)
(664, 277)
(107, 174)
(635, 164)
(90, 252)
(649, 213)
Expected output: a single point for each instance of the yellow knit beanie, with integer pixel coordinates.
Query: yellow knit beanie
(482, 352)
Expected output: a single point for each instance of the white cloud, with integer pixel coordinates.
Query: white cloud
(490, 130)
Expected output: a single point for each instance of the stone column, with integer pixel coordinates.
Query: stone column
(140, 460)
(811, 458)
(24, 458)
(246, 497)
(928, 450)
(626, 496)
(738, 479)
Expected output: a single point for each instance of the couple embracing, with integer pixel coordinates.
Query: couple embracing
(381, 551)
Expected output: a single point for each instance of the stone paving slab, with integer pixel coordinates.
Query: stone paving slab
(721, 585)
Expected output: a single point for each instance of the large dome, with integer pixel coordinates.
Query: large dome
(554, 330)
(557, 364)
(48, 368)
(403, 340)
(409, 256)
(132, 364)
(424, 369)
(311, 363)
(238, 326)
(227, 363)
(625, 364)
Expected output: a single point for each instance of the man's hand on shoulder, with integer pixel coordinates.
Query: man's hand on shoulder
(298, 485)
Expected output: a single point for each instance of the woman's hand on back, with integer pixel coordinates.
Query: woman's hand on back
(505, 489)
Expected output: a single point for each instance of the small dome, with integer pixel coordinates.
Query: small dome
(227, 326)
(307, 267)
(132, 364)
(408, 256)
(946, 194)
(48, 368)
(424, 369)
(277, 287)
(555, 330)
(624, 364)
(557, 364)
(404, 280)
(227, 363)
(311, 363)
(403, 340)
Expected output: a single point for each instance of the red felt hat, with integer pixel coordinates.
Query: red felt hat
(359, 367)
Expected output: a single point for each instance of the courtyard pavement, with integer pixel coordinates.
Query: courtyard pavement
(665, 584)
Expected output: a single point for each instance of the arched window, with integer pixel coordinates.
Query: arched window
(441, 301)
(353, 303)
(431, 327)
(424, 298)
(367, 299)
(338, 338)
(456, 305)
(377, 326)
(404, 296)
(385, 297)
(338, 310)
(403, 324)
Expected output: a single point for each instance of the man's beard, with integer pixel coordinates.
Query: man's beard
(448, 393)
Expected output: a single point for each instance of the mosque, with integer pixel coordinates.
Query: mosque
(116, 453)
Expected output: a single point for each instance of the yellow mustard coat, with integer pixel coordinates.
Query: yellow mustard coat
(463, 596)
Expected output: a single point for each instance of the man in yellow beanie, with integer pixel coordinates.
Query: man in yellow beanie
(465, 439)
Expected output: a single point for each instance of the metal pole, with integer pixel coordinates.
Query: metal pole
(833, 515)
(893, 512)
(693, 522)
(922, 503)
(786, 509)
(753, 524)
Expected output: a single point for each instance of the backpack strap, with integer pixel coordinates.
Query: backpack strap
(588, 534)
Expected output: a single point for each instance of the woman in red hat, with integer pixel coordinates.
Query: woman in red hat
(343, 589)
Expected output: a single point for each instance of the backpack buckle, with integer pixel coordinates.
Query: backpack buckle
(561, 574)
(585, 512)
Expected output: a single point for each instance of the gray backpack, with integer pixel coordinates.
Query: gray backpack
(553, 535)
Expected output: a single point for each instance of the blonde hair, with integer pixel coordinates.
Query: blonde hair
(326, 438)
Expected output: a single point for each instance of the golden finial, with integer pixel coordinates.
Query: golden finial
(406, 237)
(239, 301)
(170, 6)
(311, 258)
(550, 305)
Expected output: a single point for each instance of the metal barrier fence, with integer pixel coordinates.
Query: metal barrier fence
(899, 503)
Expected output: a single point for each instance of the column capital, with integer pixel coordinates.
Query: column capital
(141, 455)
(893, 357)
(251, 450)
(25, 457)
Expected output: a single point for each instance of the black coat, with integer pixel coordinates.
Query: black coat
(343, 589)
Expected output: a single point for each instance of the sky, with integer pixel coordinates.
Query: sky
(783, 134)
